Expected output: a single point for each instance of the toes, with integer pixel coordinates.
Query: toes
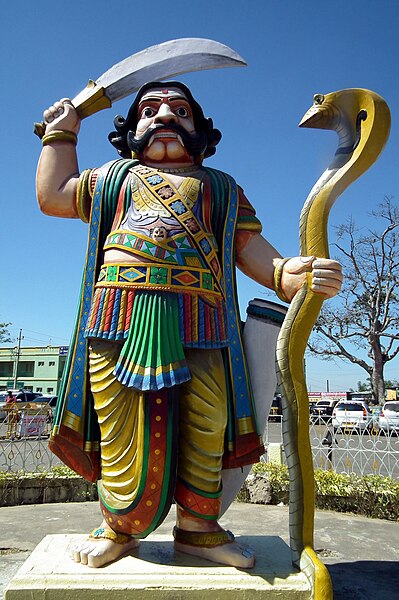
(81, 552)
(100, 552)
(94, 561)
(84, 552)
(76, 555)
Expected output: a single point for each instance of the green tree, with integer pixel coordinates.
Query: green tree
(4, 333)
(365, 315)
(391, 384)
(363, 386)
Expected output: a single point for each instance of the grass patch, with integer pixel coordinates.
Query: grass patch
(54, 472)
(370, 495)
(59, 484)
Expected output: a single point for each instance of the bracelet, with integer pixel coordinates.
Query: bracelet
(59, 136)
(278, 273)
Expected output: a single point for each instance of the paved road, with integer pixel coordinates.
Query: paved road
(362, 555)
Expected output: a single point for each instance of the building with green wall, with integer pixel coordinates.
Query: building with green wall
(37, 369)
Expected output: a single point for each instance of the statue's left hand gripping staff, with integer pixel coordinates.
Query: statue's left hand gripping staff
(362, 121)
(152, 64)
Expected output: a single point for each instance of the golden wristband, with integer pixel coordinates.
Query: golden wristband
(278, 273)
(60, 136)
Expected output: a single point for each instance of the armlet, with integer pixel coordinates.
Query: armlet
(84, 194)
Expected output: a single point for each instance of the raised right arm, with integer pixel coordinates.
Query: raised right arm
(58, 172)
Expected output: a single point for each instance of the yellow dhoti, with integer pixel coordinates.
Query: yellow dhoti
(202, 419)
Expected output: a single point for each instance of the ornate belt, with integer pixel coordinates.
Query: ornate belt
(158, 277)
(177, 250)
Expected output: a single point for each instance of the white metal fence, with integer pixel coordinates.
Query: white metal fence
(24, 433)
(25, 429)
(367, 452)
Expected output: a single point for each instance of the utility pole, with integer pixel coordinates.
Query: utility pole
(328, 386)
(20, 337)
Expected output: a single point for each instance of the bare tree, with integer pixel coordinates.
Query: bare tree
(365, 315)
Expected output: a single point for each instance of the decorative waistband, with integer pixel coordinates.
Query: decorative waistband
(156, 277)
(178, 249)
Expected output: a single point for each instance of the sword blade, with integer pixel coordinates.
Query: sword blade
(166, 60)
(156, 63)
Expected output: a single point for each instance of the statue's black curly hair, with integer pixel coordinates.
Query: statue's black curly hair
(118, 138)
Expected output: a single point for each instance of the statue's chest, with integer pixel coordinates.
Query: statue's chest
(146, 202)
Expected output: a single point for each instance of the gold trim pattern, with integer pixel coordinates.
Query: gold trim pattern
(60, 136)
(245, 425)
(91, 446)
(142, 275)
(208, 539)
(249, 226)
(82, 195)
(278, 273)
(72, 421)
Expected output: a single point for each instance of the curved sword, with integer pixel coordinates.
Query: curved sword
(156, 63)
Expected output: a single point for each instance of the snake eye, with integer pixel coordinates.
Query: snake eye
(318, 99)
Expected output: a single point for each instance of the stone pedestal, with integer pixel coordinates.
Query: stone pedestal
(156, 571)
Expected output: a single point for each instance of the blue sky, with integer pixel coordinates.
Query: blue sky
(293, 50)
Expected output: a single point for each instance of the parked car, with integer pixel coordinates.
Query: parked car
(48, 399)
(389, 417)
(46, 402)
(24, 396)
(352, 415)
(322, 410)
(3, 403)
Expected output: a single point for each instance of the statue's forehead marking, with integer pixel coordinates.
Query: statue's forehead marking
(163, 93)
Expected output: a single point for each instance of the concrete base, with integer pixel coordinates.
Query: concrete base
(156, 571)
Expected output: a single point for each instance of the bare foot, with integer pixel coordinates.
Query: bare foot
(207, 539)
(101, 550)
(232, 554)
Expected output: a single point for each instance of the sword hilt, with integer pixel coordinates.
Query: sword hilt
(39, 129)
(89, 101)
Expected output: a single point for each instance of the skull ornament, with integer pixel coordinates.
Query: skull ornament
(159, 234)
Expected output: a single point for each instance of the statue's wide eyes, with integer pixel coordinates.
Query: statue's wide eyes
(318, 99)
(182, 112)
(148, 112)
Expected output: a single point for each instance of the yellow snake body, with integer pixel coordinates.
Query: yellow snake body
(362, 120)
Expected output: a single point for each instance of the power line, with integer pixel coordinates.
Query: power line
(46, 335)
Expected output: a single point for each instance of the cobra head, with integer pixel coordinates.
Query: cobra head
(344, 111)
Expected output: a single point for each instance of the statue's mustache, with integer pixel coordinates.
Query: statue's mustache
(194, 143)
